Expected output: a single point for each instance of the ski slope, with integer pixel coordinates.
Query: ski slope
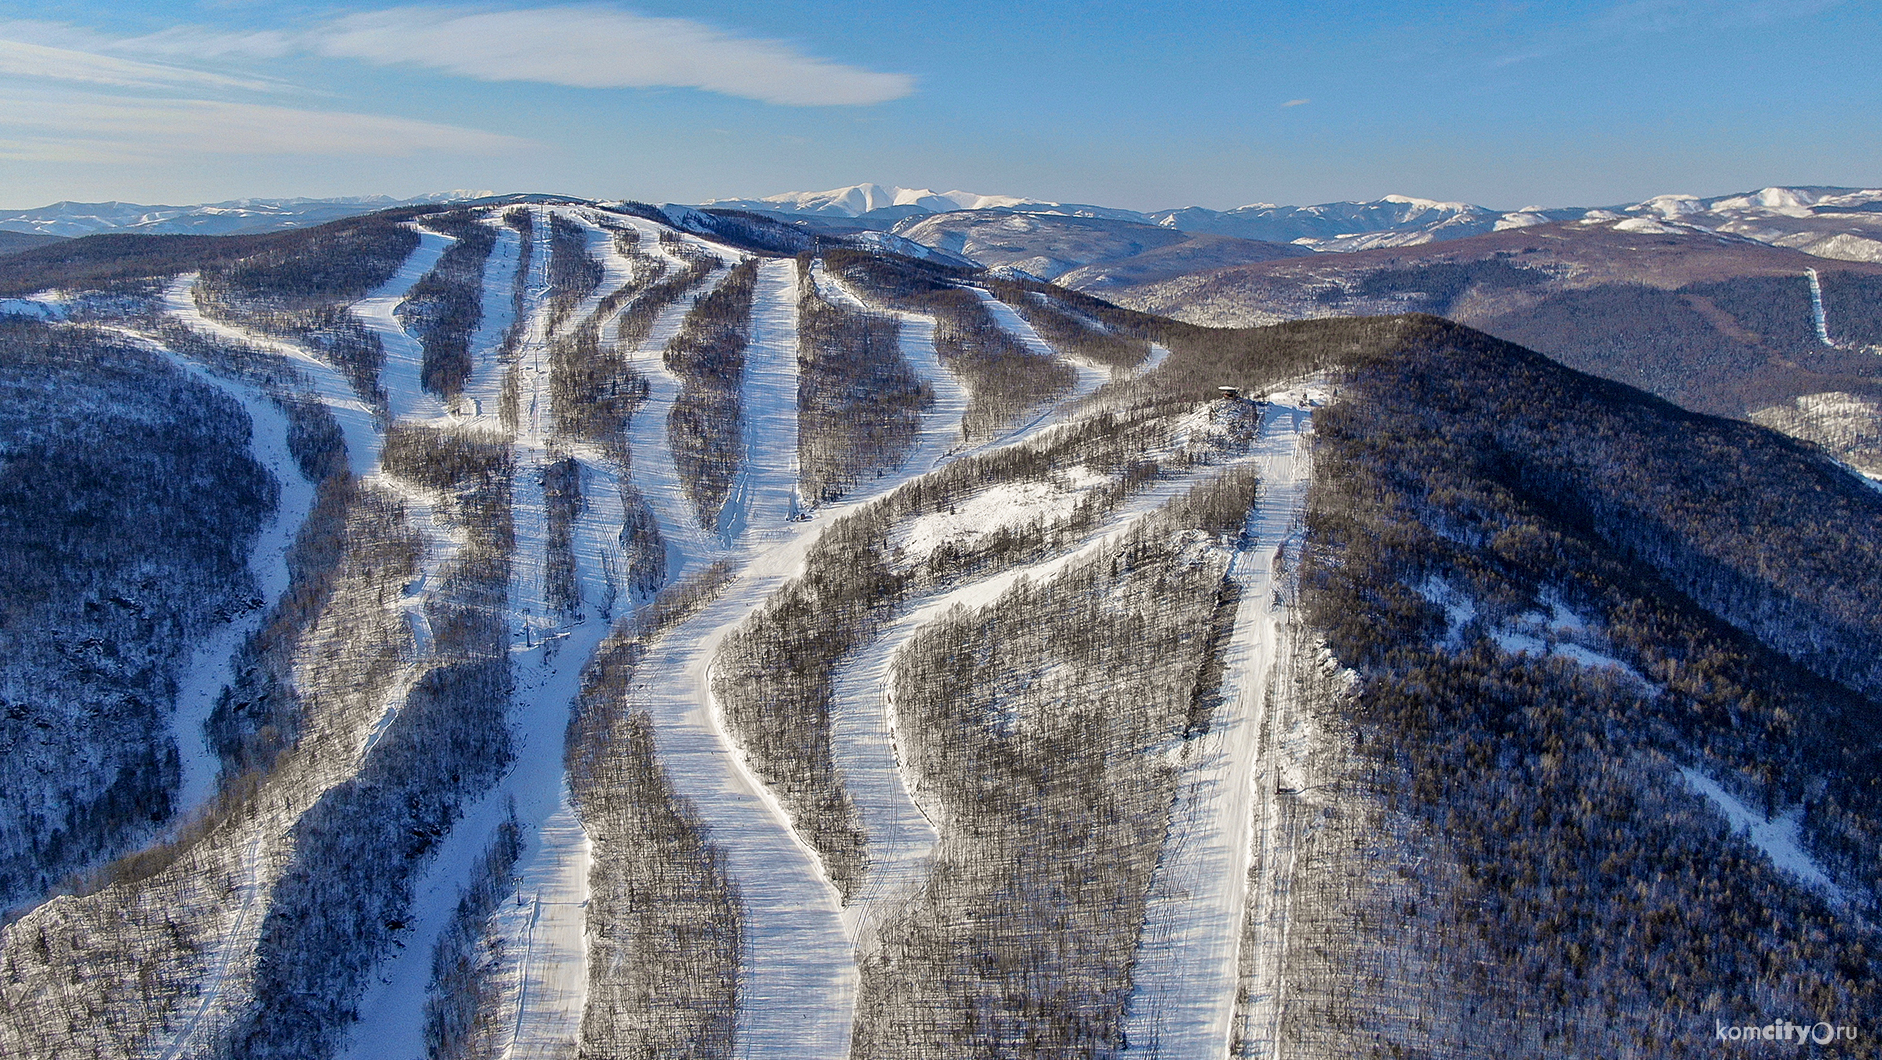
(1187, 975)
(211, 666)
(405, 356)
(798, 971)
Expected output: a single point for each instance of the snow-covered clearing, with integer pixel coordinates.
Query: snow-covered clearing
(211, 664)
(1816, 308)
(45, 305)
(483, 391)
(358, 421)
(1186, 979)
(1560, 634)
(405, 356)
(765, 493)
(1008, 506)
(1777, 838)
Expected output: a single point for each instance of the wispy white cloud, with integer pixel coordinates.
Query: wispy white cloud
(73, 126)
(1296, 103)
(581, 46)
(32, 61)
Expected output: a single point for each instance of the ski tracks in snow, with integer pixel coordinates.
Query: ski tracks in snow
(401, 376)
(764, 495)
(1187, 975)
(358, 421)
(211, 664)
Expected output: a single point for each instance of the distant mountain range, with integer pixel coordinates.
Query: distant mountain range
(72, 219)
(1844, 223)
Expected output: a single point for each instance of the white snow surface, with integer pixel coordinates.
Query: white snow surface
(1188, 963)
(357, 419)
(1816, 308)
(405, 356)
(1777, 838)
(764, 495)
(211, 664)
(483, 391)
(43, 306)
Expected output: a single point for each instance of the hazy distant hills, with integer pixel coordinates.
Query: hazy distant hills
(1844, 223)
(1717, 323)
(69, 219)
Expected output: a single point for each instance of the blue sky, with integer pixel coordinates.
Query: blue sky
(1141, 105)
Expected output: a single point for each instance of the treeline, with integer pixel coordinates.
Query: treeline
(1004, 379)
(562, 505)
(1039, 730)
(706, 427)
(859, 402)
(661, 290)
(1570, 890)
(594, 386)
(461, 1020)
(445, 306)
(664, 921)
(133, 264)
(301, 288)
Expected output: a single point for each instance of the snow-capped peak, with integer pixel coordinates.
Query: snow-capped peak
(1430, 204)
(859, 199)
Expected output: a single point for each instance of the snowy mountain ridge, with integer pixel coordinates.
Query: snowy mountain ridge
(72, 219)
(1844, 223)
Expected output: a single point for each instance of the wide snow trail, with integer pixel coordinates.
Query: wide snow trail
(797, 976)
(358, 421)
(483, 391)
(1090, 376)
(940, 433)
(1816, 308)
(764, 494)
(900, 830)
(654, 474)
(1779, 839)
(1187, 973)
(402, 374)
(211, 664)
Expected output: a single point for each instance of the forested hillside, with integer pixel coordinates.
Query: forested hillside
(547, 629)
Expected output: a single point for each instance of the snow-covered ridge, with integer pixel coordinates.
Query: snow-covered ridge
(859, 199)
(1843, 223)
(216, 218)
